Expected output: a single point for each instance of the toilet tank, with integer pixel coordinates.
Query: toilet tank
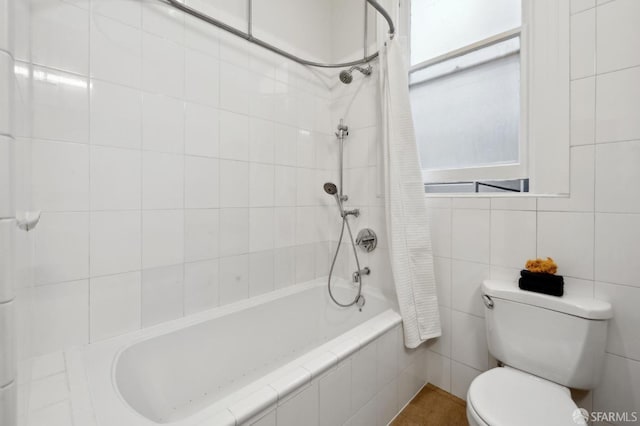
(561, 339)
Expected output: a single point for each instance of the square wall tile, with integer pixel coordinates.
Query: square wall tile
(580, 5)
(442, 270)
(162, 294)
(162, 180)
(285, 186)
(617, 245)
(60, 176)
(7, 112)
(234, 279)
(234, 88)
(470, 235)
(115, 304)
(583, 44)
(622, 335)
(202, 76)
(442, 344)
(440, 221)
(8, 184)
(115, 242)
(60, 36)
(162, 238)
(234, 178)
(335, 395)
(513, 237)
(164, 21)
(261, 141)
(439, 370)
(581, 189)
(162, 124)
(162, 66)
(202, 126)
(619, 390)
(201, 286)
(116, 115)
(363, 376)
(61, 248)
(461, 378)
(234, 136)
(202, 182)
(60, 316)
(469, 341)
(261, 229)
(234, 231)
(115, 191)
(300, 409)
(284, 268)
(617, 170)
(618, 35)
(116, 52)
(583, 111)
(202, 234)
(568, 238)
(261, 185)
(466, 279)
(261, 272)
(618, 106)
(125, 11)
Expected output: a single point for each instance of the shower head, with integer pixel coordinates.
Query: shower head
(330, 188)
(346, 76)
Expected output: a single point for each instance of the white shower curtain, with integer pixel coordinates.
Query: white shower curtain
(406, 213)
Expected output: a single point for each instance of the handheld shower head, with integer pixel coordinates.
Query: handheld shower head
(331, 189)
(346, 76)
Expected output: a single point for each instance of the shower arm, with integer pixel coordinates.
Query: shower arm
(250, 38)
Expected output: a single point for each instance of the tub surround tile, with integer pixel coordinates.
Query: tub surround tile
(302, 409)
(291, 382)
(321, 364)
(201, 286)
(114, 305)
(618, 105)
(363, 376)
(345, 348)
(471, 235)
(247, 407)
(162, 290)
(618, 36)
(335, 395)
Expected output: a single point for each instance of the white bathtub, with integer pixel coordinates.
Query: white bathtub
(231, 365)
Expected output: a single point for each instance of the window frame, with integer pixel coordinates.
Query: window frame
(518, 170)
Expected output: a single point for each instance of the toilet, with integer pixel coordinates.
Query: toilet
(545, 345)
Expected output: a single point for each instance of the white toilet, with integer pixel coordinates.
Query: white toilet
(547, 345)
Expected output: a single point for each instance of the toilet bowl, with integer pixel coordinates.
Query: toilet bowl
(507, 397)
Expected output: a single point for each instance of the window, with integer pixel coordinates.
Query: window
(466, 90)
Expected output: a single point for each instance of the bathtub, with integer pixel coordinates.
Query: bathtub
(239, 363)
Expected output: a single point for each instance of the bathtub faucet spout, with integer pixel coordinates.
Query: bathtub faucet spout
(358, 274)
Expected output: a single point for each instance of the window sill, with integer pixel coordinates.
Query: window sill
(495, 195)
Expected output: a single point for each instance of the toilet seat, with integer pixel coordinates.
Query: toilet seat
(507, 397)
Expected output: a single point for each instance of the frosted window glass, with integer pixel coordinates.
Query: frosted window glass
(469, 118)
(440, 26)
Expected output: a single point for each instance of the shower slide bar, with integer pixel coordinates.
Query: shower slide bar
(250, 38)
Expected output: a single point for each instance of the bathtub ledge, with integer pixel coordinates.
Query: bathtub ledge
(254, 404)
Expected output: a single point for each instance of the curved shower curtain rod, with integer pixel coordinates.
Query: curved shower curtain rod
(250, 38)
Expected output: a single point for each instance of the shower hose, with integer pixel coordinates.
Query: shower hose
(345, 223)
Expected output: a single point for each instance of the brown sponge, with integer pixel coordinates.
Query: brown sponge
(547, 266)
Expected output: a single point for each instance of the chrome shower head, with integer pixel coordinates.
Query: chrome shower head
(330, 188)
(346, 76)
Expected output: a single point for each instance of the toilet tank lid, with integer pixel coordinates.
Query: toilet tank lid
(583, 307)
